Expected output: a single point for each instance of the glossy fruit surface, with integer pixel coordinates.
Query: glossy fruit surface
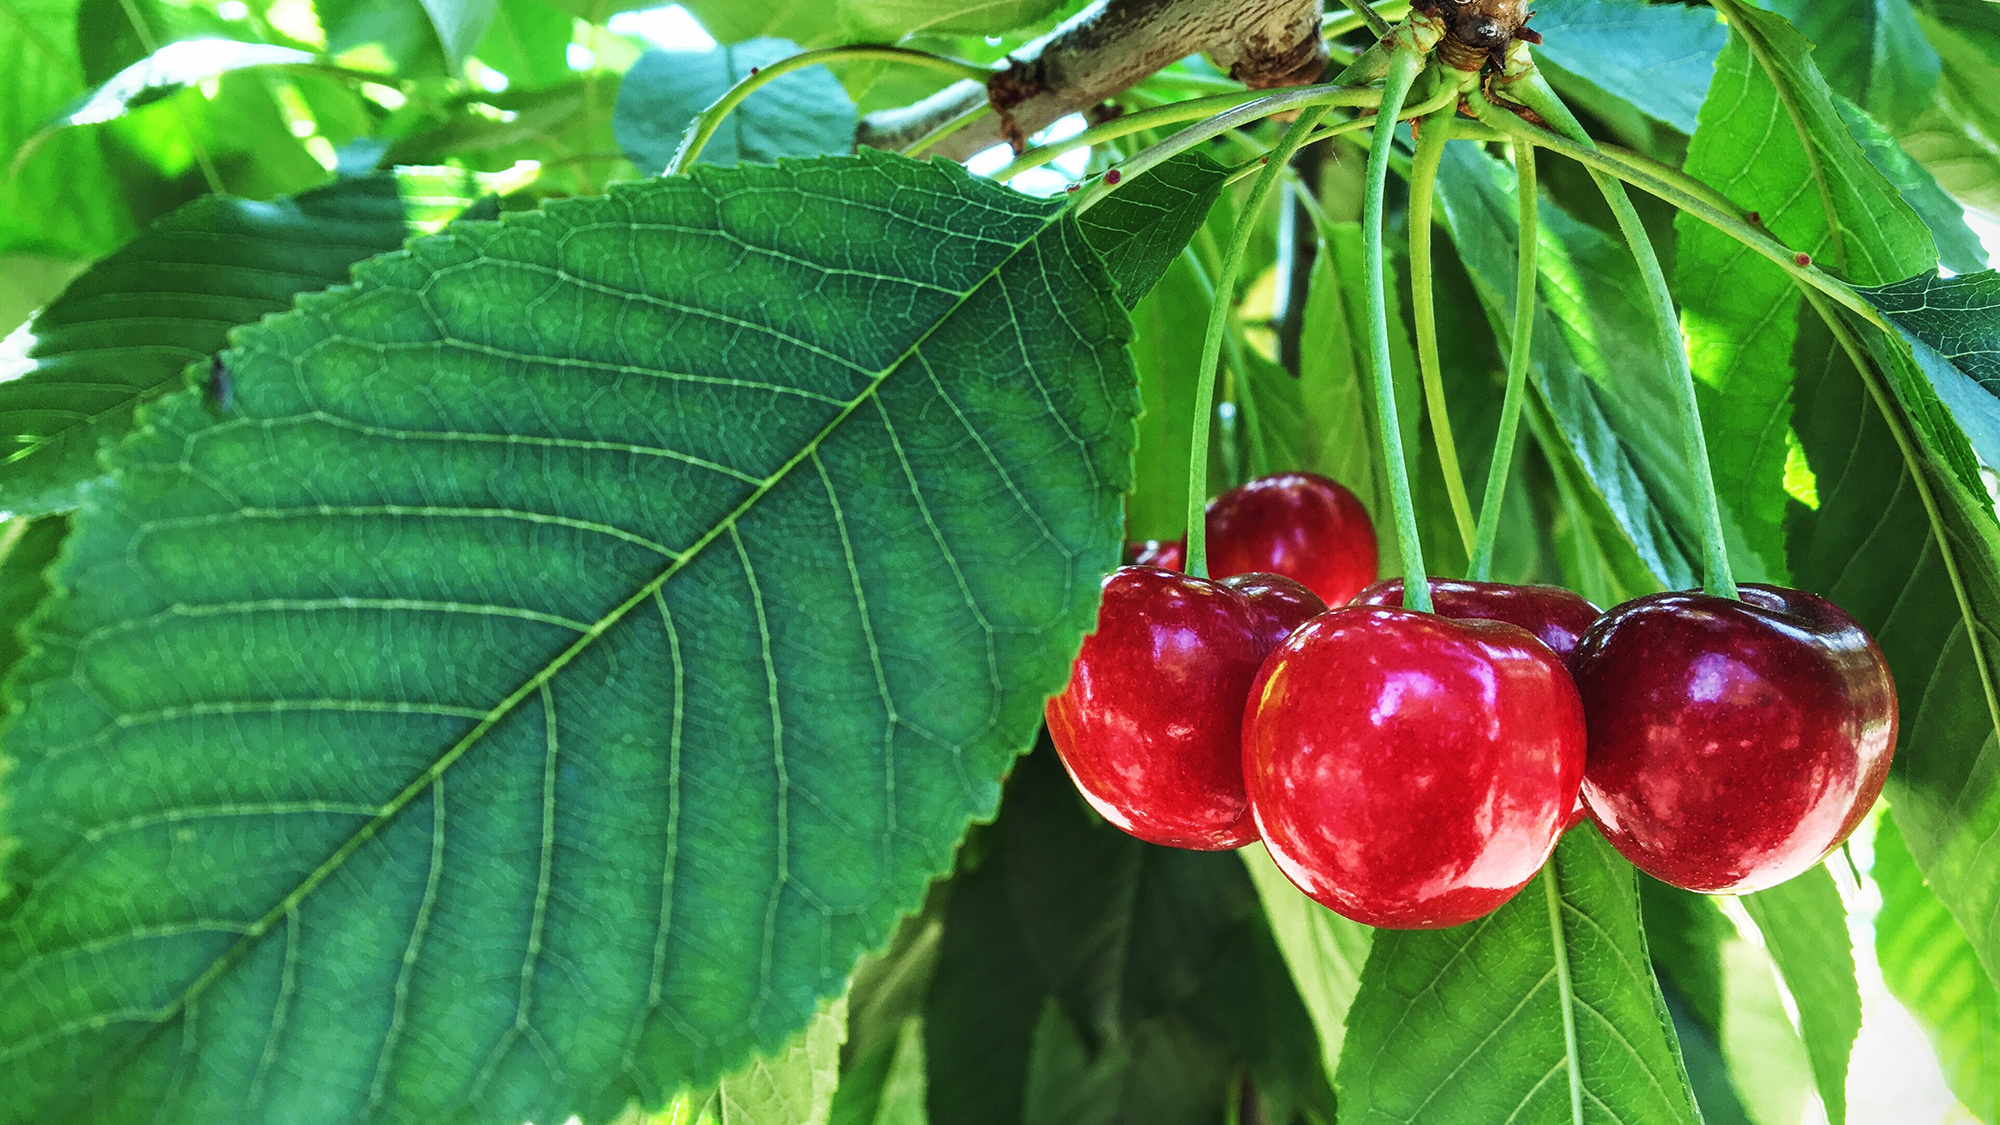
(1557, 617)
(1276, 605)
(1302, 526)
(1150, 724)
(1732, 744)
(1167, 554)
(1409, 770)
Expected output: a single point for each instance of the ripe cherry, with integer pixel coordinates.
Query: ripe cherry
(1732, 744)
(1150, 724)
(1276, 605)
(1302, 526)
(1557, 617)
(1167, 554)
(1409, 770)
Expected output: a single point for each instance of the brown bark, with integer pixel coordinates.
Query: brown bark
(1104, 49)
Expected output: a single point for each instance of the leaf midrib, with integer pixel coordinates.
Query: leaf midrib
(394, 807)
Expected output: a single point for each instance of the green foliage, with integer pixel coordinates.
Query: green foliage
(1875, 50)
(1549, 1003)
(502, 597)
(1804, 926)
(1952, 327)
(1933, 970)
(805, 113)
(1659, 58)
(560, 668)
(122, 333)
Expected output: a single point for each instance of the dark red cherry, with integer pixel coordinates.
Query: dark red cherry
(1302, 526)
(1732, 744)
(1557, 617)
(1150, 725)
(1409, 770)
(1276, 604)
(1167, 554)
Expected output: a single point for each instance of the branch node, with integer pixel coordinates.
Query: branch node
(1009, 87)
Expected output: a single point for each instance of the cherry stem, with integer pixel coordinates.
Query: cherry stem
(1124, 125)
(1525, 286)
(1532, 91)
(1323, 97)
(1273, 170)
(709, 120)
(1404, 65)
(1335, 25)
(1431, 138)
(1369, 16)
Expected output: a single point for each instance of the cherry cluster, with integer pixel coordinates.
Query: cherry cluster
(1414, 770)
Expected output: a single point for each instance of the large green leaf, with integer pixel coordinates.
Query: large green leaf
(1952, 326)
(1959, 247)
(810, 23)
(122, 332)
(40, 209)
(804, 113)
(1086, 977)
(1954, 136)
(571, 647)
(1596, 362)
(793, 1087)
(1872, 49)
(1916, 560)
(1324, 951)
(1143, 226)
(1915, 554)
(1815, 190)
(1470, 1024)
(1805, 929)
(1658, 57)
(1933, 971)
(27, 547)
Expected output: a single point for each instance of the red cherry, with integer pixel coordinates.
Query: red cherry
(1557, 617)
(1277, 605)
(1150, 724)
(1167, 554)
(1733, 744)
(1302, 526)
(1409, 770)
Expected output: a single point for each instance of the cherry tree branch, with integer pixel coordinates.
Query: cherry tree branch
(1103, 50)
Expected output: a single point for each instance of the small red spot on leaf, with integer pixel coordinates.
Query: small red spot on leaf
(1802, 259)
(1113, 176)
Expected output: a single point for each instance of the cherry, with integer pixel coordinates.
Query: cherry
(1276, 604)
(1302, 526)
(1167, 554)
(1557, 617)
(1732, 744)
(1409, 770)
(1150, 724)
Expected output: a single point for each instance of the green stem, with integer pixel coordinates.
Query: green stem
(1431, 140)
(1368, 15)
(1481, 567)
(1536, 95)
(1403, 68)
(1193, 109)
(1298, 97)
(709, 120)
(948, 128)
(1559, 942)
(1690, 195)
(1333, 26)
(1218, 323)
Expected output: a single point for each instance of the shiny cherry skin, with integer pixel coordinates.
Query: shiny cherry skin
(1276, 604)
(1300, 525)
(1150, 724)
(1557, 617)
(1732, 744)
(1408, 770)
(1167, 554)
